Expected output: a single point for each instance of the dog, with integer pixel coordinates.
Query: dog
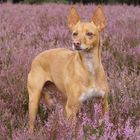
(78, 74)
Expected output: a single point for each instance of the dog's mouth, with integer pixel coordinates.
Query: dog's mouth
(80, 48)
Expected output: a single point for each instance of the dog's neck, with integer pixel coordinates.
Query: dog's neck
(91, 59)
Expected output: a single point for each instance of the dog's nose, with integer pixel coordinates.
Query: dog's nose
(77, 44)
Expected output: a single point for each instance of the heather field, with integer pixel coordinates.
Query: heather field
(27, 30)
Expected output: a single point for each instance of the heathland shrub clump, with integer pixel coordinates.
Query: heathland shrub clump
(27, 30)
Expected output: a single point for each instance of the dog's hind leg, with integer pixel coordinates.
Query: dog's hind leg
(48, 94)
(48, 99)
(35, 85)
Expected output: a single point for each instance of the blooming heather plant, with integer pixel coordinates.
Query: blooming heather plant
(27, 30)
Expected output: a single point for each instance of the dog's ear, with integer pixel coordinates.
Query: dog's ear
(99, 18)
(73, 18)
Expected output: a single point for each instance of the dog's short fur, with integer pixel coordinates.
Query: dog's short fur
(78, 74)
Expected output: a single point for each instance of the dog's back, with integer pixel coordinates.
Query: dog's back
(59, 66)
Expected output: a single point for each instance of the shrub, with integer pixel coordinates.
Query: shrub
(27, 30)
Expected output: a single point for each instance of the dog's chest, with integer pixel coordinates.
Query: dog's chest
(90, 93)
(89, 63)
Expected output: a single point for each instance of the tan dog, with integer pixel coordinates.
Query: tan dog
(78, 74)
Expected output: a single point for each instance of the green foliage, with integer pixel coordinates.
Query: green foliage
(45, 1)
(135, 2)
(89, 130)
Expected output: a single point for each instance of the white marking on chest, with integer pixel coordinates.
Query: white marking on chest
(89, 62)
(93, 92)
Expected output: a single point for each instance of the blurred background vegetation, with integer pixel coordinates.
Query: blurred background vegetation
(134, 2)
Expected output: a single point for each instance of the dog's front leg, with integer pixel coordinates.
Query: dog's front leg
(72, 107)
(104, 103)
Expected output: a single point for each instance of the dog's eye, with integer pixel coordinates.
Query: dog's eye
(89, 34)
(75, 34)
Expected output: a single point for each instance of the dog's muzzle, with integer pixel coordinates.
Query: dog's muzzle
(79, 47)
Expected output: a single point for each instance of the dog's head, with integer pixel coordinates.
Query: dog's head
(85, 35)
